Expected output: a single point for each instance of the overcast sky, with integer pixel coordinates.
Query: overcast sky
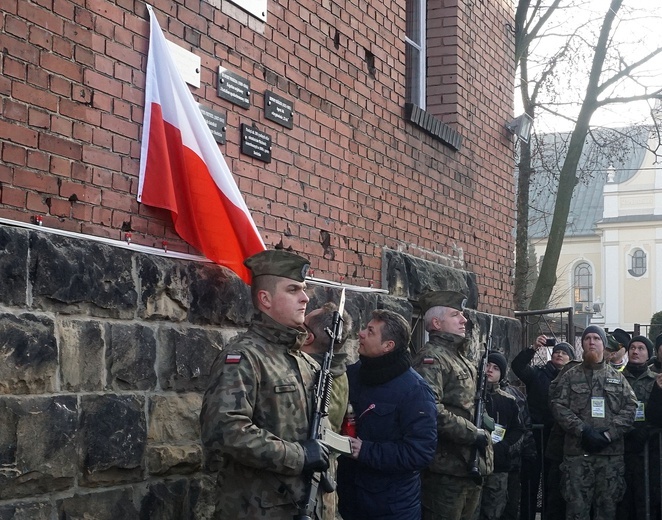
(637, 32)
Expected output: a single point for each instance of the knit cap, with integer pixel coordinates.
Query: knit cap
(596, 330)
(499, 360)
(645, 341)
(565, 347)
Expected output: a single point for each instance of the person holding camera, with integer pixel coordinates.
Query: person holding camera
(537, 380)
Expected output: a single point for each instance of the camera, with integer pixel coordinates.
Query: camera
(550, 342)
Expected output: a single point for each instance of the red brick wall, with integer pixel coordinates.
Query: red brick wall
(350, 178)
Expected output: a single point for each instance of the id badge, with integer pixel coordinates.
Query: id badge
(640, 414)
(598, 407)
(498, 434)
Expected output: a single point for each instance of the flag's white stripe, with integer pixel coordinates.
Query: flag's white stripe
(181, 110)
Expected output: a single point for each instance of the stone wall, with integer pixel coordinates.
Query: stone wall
(105, 356)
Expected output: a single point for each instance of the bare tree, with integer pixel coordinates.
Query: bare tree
(609, 70)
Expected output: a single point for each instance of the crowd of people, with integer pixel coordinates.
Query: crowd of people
(416, 448)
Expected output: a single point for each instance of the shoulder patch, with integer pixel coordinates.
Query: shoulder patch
(613, 380)
(429, 361)
(232, 359)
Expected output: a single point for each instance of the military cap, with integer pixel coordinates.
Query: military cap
(452, 299)
(276, 262)
(617, 340)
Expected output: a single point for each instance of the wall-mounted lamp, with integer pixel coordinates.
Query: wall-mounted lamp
(597, 307)
(521, 126)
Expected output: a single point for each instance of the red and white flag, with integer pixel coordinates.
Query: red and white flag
(182, 169)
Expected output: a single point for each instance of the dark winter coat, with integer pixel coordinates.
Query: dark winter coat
(537, 381)
(397, 422)
(523, 453)
(503, 408)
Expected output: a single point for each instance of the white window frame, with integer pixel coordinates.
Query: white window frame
(630, 263)
(576, 288)
(419, 81)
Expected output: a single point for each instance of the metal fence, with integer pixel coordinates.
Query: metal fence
(549, 494)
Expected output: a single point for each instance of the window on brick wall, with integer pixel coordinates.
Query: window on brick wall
(415, 52)
(422, 44)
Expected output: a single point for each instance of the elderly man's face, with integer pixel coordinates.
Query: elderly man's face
(453, 322)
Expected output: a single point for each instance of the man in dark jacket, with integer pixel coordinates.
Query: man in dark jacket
(655, 362)
(396, 427)
(642, 381)
(520, 457)
(507, 438)
(537, 381)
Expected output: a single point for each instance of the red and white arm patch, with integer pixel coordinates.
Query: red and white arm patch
(428, 361)
(232, 359)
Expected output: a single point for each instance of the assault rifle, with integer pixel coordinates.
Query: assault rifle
(320, 411)
(479, 406)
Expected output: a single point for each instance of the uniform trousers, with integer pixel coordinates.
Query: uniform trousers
(447, 497)
(596, 481)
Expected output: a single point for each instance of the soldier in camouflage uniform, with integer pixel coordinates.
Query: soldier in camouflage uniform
(316, 345)
(317, 322)
(595, 407)
(642, 381)
(448, 491)
(255, 412)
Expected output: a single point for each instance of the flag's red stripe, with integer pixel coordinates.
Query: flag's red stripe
(178, 180)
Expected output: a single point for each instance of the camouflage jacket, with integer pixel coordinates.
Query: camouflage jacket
(255, 411)
(452, 378)
(571, 402)
(641, 384)
(339, 388)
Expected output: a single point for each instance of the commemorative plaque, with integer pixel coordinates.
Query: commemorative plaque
(255, 143)
(278, 109)
(233, 88)
(216, 121)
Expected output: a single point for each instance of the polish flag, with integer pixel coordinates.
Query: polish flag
(182, 169)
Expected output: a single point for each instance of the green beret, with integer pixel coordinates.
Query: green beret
(452, 299)
(617, 340)
(276, 262)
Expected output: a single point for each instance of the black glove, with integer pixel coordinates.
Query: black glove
(481, 439)
(315, 456)
(593, 441)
